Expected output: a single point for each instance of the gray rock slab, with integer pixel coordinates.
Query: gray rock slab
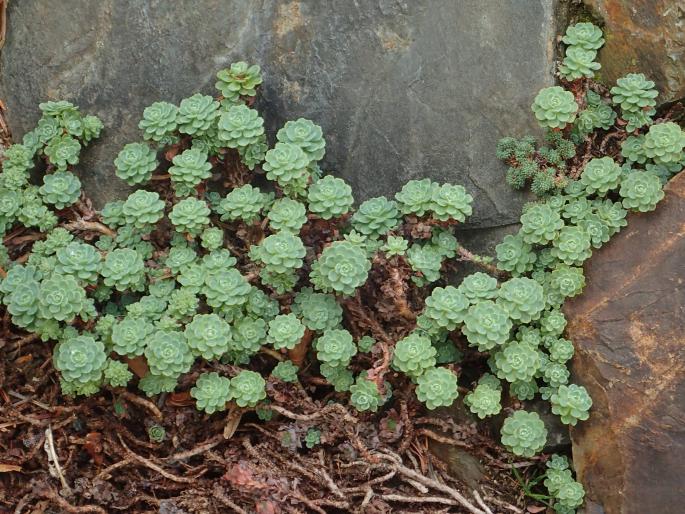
(403, 89)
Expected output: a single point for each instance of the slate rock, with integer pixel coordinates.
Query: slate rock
(644, 36)
(402, 89)
(630, 354)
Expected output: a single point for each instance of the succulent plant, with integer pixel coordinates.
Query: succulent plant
(517, 361)
(416, 197)
(524, 433)
(395, 245)
(226, 288)
(179, 259)
(376, 217)
(155, 384)
(312, 438)
(446, 307)
(522, 298)
(280, 252)
(63, 151)
(330, 197)
(286, 163)
(571, 403)
(287, 214)
(249, 334)
(253, 154)
(523, 390)
(318, 311)
(555, 107)
(60, 189)
(117, 374)
(61, 298)
(634, 93)
(22, 302)
(80, 360)
(664, 143)
(633, 149)
(515, 255)
(413, 355)
(123, 269)
(135, 163)
(540, 224)
(568, 280)
(450, 202)
(641, 191)
(242, 203)
(285, 331)
(572, 245)
(47, 129)
(335, 348)
(579, 62)
(168, 353)
(486, 325)
(240, 127)
(196, 114)
(612, 214)
(341, 267)
(552, 322)
(584, 35)
(129, 336)
(305, 134)
(366, 343)
(286, 371)
(80, 260)
(190, 216)
(569, 495)
(365, 395)
(57, 108)
(248, 388)
(212, 238)
(427, 260)
(561, 350)
(156, 433)
(478, 286)
(484, 400)
(600, 175)
(190, 168)
(555, 374)
(142, 209)
(341, 378)
(437, 387)
(211, 392)
(208, 336)
(240, 79)
(159, 121)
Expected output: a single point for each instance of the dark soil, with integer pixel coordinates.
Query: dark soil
(107, 462)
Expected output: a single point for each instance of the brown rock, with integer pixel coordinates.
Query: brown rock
(644, 36)
(629, 332)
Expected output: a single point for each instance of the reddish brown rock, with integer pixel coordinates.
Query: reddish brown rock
(629, 331)
(644, 36)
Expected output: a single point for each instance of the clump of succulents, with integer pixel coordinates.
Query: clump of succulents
(281, 277)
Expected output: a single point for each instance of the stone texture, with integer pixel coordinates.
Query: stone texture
(628, 331)
(402, 89)
(646, 36)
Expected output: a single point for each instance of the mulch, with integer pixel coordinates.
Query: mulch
(94, 454)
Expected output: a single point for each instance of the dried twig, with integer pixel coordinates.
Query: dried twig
(396, 463)
(53, 459)
(147, 463)
(142, 402)
(480, 502)
(93, 226)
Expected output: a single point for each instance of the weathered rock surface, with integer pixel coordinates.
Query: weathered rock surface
(402, 89)
(630, 342)
(644, 36)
